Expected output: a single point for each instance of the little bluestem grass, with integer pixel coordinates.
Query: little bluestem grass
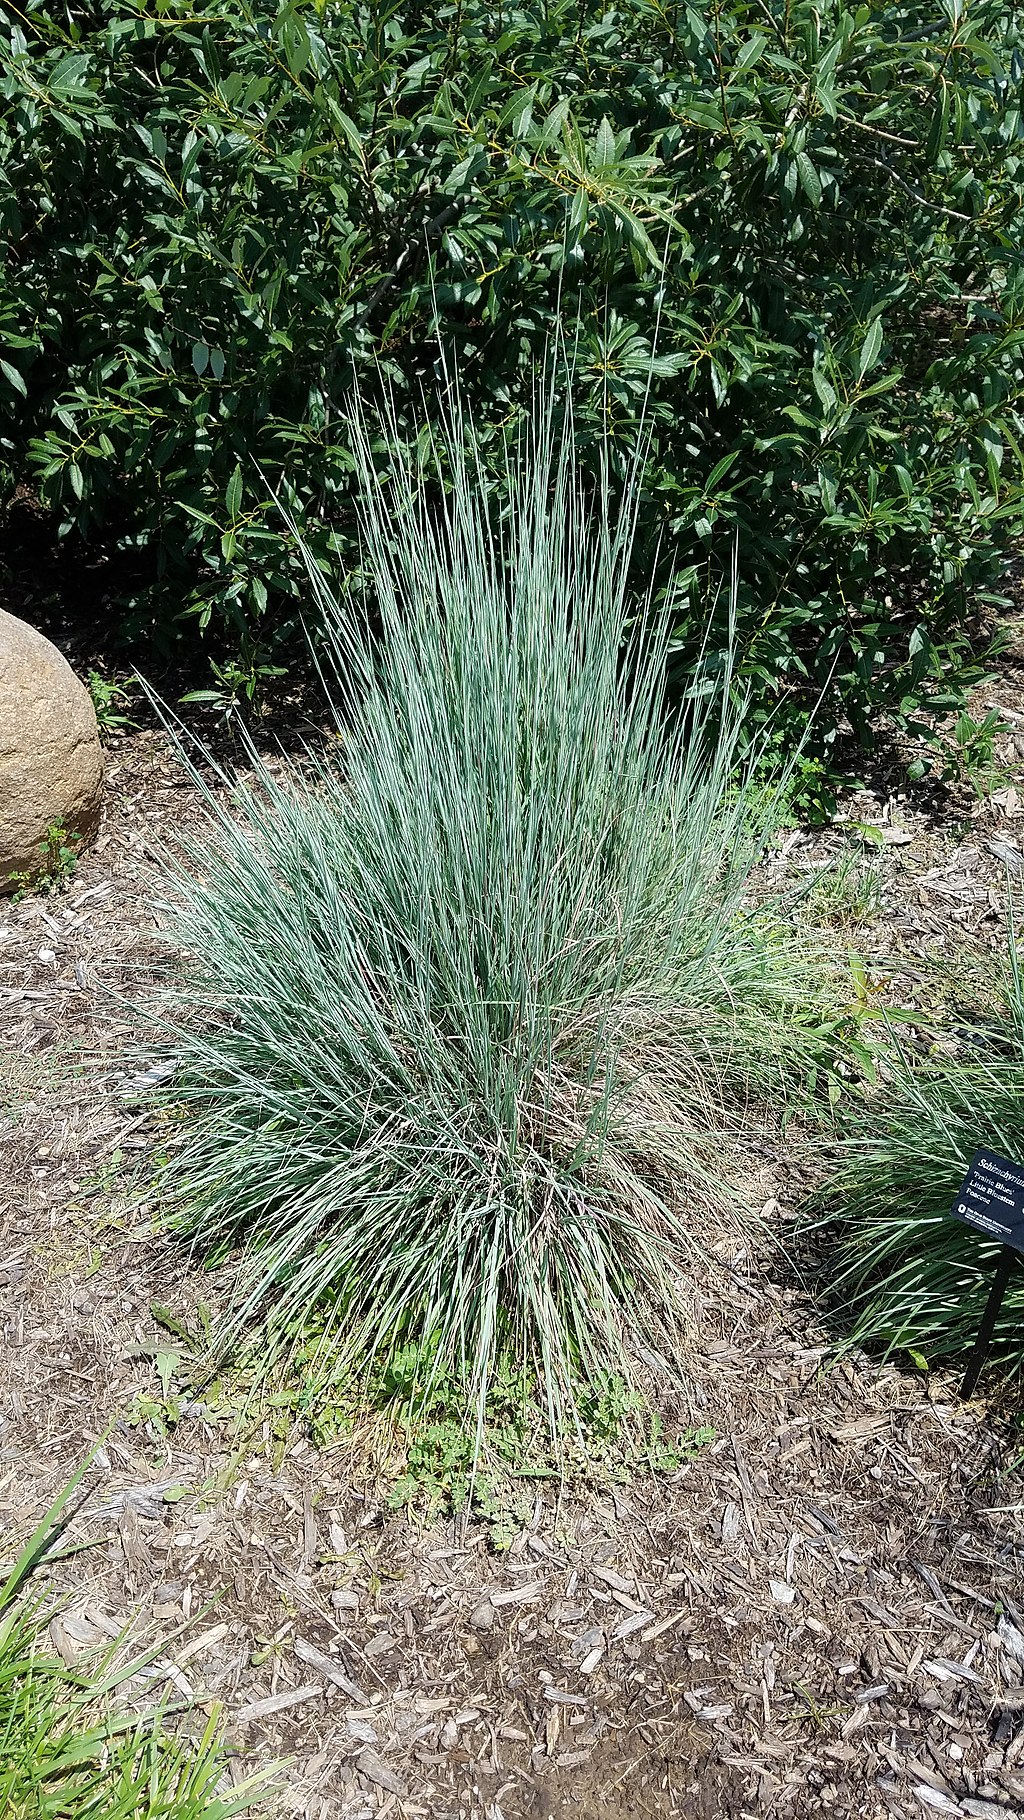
(904, 1275)
(469, 1018)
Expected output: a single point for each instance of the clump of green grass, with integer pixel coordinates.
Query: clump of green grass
(69, 1750)
(471, 1020)
(904, 1274)
(848, 890)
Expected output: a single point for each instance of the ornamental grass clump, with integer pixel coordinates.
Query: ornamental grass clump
(471, 1013)
(903, 1274)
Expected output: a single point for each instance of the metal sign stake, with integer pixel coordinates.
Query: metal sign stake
(1004, 1268)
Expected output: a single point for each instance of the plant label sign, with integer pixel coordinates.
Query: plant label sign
(991, 1198)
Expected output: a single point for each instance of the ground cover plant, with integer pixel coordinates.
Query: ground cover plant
(788, 233)
(472, 1017)
(73, 1743)
(903, 1275)
(435, 1459)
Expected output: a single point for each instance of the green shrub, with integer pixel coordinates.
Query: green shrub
(68, 1750)
(904, 1274)
(472, 1018)
(792, 231)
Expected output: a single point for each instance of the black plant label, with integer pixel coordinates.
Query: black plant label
(991, 1198)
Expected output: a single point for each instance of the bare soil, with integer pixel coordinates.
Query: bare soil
(822, 1612)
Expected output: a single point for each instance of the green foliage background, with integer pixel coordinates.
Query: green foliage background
(794, 226)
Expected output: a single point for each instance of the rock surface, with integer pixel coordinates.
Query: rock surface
(51, 762)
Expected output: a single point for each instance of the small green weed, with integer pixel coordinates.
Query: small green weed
(810, 795)
(181, 1365)
(415, 1425)
(964, 756)
(238, 680)
(819, 1716)
(814, 787)
(108, 698)
(848, 890)
(58, 857)
(106, 1177)
(446, 1467)
(846, 1037)
(665, 1456)
(157, 1415)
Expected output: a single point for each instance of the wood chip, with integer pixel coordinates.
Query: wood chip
(610, 1578)
(636, 1621)
(379, 1644)
(277, 1703)
(657, 1630)
(944, 1670)
(329, 1667)
(517, 1595)
(934, 1798)
(1011, 1639)
(370, 1765)
(205, 1641)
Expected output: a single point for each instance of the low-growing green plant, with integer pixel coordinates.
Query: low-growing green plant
(237, 681)
(847, 890)
(73, 1743)
(157, 1415)
(469, 1021)
(58, 858)
(966, 754)
(427, 1444)
(847, 1037)
(903, 1274)
(60, 855)
(443, 1473)
(109, 699)
(446, 1470)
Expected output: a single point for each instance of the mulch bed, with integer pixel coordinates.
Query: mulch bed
(822, 1611)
